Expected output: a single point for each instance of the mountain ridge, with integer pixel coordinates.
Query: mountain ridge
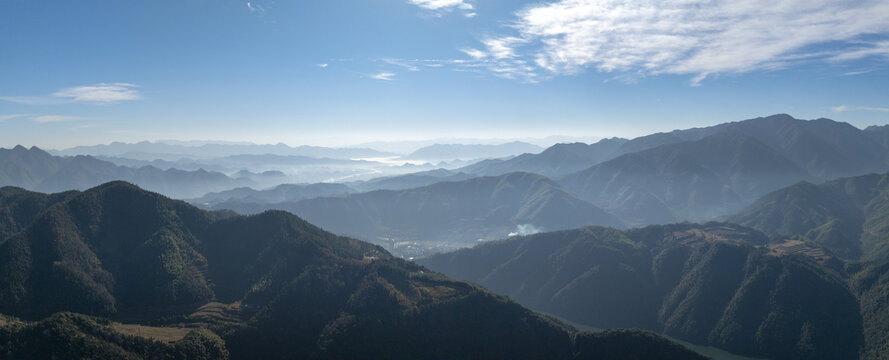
(301, 290)
(36, 169)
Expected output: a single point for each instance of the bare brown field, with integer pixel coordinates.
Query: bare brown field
(217, 313)
(165, 334)
(788, 247)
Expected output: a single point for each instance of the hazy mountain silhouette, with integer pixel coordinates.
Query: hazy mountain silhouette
(439, 152)
(280, 193)
(714, 284)
(36, 169)
(118, 251)
(879, 134)
(146, 150)
(412, 180)
(825, 148)
(457, 213)
(692, 180)
(557, 160)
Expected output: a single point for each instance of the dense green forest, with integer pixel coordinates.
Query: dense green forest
(716, 284)
(814, 283)
(263, 286)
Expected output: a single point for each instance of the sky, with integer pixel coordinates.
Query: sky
(338, 72)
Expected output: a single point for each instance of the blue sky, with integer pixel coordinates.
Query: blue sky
(338, 72)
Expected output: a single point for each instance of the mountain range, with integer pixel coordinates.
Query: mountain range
(264, 286)
(172, 151)
(36, 169)
(280, 193)
(445, 215)
(703, 173)
(692, 180)
(717, 284)
(439, 152)
(555, 161)
(819, 267)
(412, 180)
(849, 216)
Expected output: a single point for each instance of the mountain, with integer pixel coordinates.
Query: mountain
(20, 207)
(692, 180)
(412, 180)
(879, 134)
(270, 285)
(826, 149)
(716, 284)
(36, 169)
(172, 151)
(849, 216)
(280, 193)
(445, 215)
(555, 161)
(438, 152)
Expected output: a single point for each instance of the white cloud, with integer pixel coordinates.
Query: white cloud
(474, 53)
(694, 37)
(100, 93)
(322, 65)
(503, 47)
(103, 93)
(442, 4)
(253, 7)
(387, 76)
(55, 118)
(857, 72)
(11, 116)
(844, 108)
(446, 6)
(32, 100)
(874, 49)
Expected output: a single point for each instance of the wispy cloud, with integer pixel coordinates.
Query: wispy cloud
(100, 93)
(506, 65)
(55, 118)
(857, 72)
(700, 38)
(873, 108)
(322, 65)
(11, 116)
(387, 76)
(104, 93)
(443, 6)
(410, 65)
(880, 48)
(474, 53)
(32, 100)
(843, 108)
